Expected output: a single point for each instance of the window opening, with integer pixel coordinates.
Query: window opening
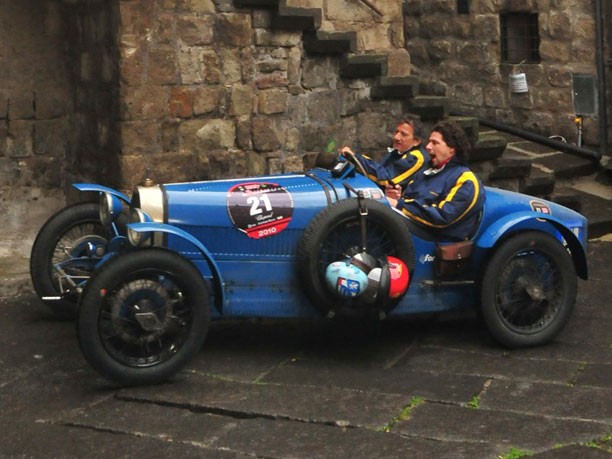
(463, 6)
(520, 38)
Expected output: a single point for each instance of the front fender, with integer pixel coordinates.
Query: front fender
(538, 221)
(101, 189)
(218, 282)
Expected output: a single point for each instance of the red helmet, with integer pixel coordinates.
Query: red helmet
(399, 277)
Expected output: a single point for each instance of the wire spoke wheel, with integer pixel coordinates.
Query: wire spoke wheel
(143, 316)
(344, 241)
(64, 254)
(145, 321)
(76, 255)
(528, 290)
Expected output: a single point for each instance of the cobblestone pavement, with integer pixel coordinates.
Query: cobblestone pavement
(427, 387)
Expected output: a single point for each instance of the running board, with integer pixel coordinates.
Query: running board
(442, 283)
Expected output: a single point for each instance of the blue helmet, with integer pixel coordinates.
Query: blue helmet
(346, 279)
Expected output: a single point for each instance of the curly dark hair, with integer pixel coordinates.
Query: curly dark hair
(455, 137)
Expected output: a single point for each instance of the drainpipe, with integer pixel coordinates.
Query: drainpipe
(601, 79)
(537, 138)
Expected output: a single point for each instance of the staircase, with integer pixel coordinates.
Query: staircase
(500, 160)
(575, 182)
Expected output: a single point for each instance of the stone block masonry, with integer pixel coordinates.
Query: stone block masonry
(209, 90)
(37, 115)
(463, 51)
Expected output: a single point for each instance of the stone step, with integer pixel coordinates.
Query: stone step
(470, 125)
(508, 172)
(395, 87)
(538, 183)
(488, 147)
(352, 65)
(286, 17)
(510, 168)
(257, 3)
(363, 65)
(429, 108)
(595, 207)
(567, 197)
(293, 18)
(566, 165)
(320, 42)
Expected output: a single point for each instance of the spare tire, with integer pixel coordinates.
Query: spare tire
(334, 234)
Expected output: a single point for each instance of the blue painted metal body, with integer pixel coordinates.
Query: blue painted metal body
(101, 189)
(228, 229)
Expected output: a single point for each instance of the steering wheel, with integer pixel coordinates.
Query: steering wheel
(350, 156)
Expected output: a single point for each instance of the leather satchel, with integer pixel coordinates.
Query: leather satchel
(455, 251)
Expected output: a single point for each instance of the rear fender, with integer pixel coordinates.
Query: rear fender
(101, 189)
(218, 282)
(537, 221)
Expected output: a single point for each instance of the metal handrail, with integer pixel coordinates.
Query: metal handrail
(537, 138)
(373, 7)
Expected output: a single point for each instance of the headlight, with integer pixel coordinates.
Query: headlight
(151, 200)
(110, 208)
(138, 238)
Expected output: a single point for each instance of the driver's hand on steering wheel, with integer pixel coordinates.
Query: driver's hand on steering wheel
(346, 151)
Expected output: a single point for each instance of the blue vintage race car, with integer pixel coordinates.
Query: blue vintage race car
(146, 274)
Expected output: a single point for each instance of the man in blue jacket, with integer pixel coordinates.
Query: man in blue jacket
(401, 162)
(446, 198)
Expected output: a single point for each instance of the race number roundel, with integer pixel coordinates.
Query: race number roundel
(259, 209)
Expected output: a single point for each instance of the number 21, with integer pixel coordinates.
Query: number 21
(256, 202)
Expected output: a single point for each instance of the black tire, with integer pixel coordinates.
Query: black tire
(63, 238)
(528, 290)
(335, 234)
(143, 316)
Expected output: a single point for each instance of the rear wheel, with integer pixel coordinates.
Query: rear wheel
(528, 290)
(64, 253)
(143, 316)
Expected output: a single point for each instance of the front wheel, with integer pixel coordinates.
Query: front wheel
(528, 290)
(65, 252)
(143, 316)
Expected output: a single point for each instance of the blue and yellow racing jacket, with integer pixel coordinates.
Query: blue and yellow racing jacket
(448, 201)
(395, 168)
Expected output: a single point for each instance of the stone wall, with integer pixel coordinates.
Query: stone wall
(56, 108)
(463, 53)
(210, 90)
(36, 111)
